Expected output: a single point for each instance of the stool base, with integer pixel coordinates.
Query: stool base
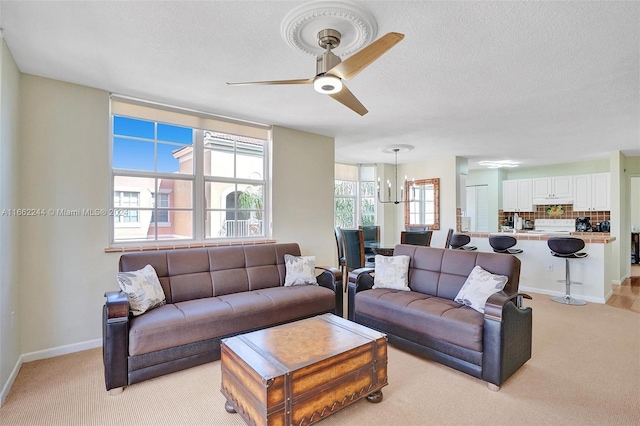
(568, 300)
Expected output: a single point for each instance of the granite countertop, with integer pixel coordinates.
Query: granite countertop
(588, 237)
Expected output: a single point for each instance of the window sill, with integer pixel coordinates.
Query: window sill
(132, 248)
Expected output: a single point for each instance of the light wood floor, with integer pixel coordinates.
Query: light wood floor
(627, 294)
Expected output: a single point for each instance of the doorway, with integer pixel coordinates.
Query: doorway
(634, 215)
(478, 207)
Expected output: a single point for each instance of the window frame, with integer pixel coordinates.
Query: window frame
(359, 196)
(198, 207)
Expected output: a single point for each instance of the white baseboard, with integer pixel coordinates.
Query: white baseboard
(12, 378)
(44, 354)
(608, 296)
(524, 289)
(61, 350)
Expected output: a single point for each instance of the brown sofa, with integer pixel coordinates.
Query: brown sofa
(211, 293)
(428, 322)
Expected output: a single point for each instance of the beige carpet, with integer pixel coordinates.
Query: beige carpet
(585, 370)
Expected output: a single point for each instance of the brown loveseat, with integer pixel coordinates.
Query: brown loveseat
(211, 293)
(428, 322)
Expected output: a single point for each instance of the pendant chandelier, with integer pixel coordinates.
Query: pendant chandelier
(400, 189)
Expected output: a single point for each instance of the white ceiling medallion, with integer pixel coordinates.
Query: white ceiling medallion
(391, 149)
(301, 26)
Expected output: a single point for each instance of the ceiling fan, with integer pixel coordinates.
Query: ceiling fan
(331, 70)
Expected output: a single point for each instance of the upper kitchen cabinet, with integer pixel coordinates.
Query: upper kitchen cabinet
(592, 192)
(516, 195)
(552, 190)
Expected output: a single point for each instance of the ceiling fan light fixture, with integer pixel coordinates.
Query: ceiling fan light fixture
(327, 85)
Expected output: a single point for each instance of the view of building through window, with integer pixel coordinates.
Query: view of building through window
(167, 177)
(355, 202)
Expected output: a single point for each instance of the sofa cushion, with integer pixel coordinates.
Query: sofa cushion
(435, 317)
(478, 287)
(300, 270)
(142, 288)
(392, 272)
(195, 320)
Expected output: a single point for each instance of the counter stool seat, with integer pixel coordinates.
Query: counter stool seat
(503, 244)
(460, 241)
(567, 248)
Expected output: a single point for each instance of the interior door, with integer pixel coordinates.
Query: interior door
(478, 207)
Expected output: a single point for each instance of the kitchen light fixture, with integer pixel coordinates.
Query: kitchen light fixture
(327, 85)
(395, 149)
(499, 164)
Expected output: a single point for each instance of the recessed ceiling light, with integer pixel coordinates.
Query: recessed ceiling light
(499, 164)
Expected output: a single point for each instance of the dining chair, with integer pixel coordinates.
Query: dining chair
(447, 242)
(342, 261)
(416, 238)
(371, 236)
(354, 249)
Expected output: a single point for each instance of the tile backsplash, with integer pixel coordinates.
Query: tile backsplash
(569, 213)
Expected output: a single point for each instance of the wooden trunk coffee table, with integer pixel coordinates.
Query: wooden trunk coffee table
(299, 373)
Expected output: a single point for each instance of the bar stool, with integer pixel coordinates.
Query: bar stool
(503, 244)
(567, 248)
(460, 241)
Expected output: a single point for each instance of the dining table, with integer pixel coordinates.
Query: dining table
(382, 251)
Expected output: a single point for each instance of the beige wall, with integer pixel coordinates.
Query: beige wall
(302, 199)
(9, 226)
(445, 169)
(62, 271)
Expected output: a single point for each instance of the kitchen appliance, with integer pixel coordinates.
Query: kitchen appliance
(528, 224)
(553, 226)
(605, 226)
(583, 224)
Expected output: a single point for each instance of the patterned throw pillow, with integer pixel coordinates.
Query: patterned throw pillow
(480, 284)
(392, 272)
(143, 289)
(299, 270)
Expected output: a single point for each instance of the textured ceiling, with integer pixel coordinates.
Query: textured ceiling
(536, 82)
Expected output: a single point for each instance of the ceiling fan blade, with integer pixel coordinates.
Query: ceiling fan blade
(254, 83)
(346, 98)
(355, 63)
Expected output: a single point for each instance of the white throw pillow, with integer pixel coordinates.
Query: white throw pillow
(143, 289)
(392, 272)
(480, 284)
(299, 270)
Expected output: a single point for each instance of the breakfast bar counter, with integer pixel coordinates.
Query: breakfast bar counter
(541, 271)
(588, 237)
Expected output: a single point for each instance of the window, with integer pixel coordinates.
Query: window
(367, 195)
(355, 202)
(160, 215)
(185, 175)
(126, 199)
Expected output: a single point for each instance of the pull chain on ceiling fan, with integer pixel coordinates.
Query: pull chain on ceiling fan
(331, 71)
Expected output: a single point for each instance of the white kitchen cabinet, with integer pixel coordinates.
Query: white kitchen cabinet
(592, 192)
(552, 190)
(601, 192)
(516, 195)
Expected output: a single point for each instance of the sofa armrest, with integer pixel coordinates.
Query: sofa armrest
(115, 339)
(496, 303)
(359, 280)
(507, 336)
(117, 306)
(331, 278)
